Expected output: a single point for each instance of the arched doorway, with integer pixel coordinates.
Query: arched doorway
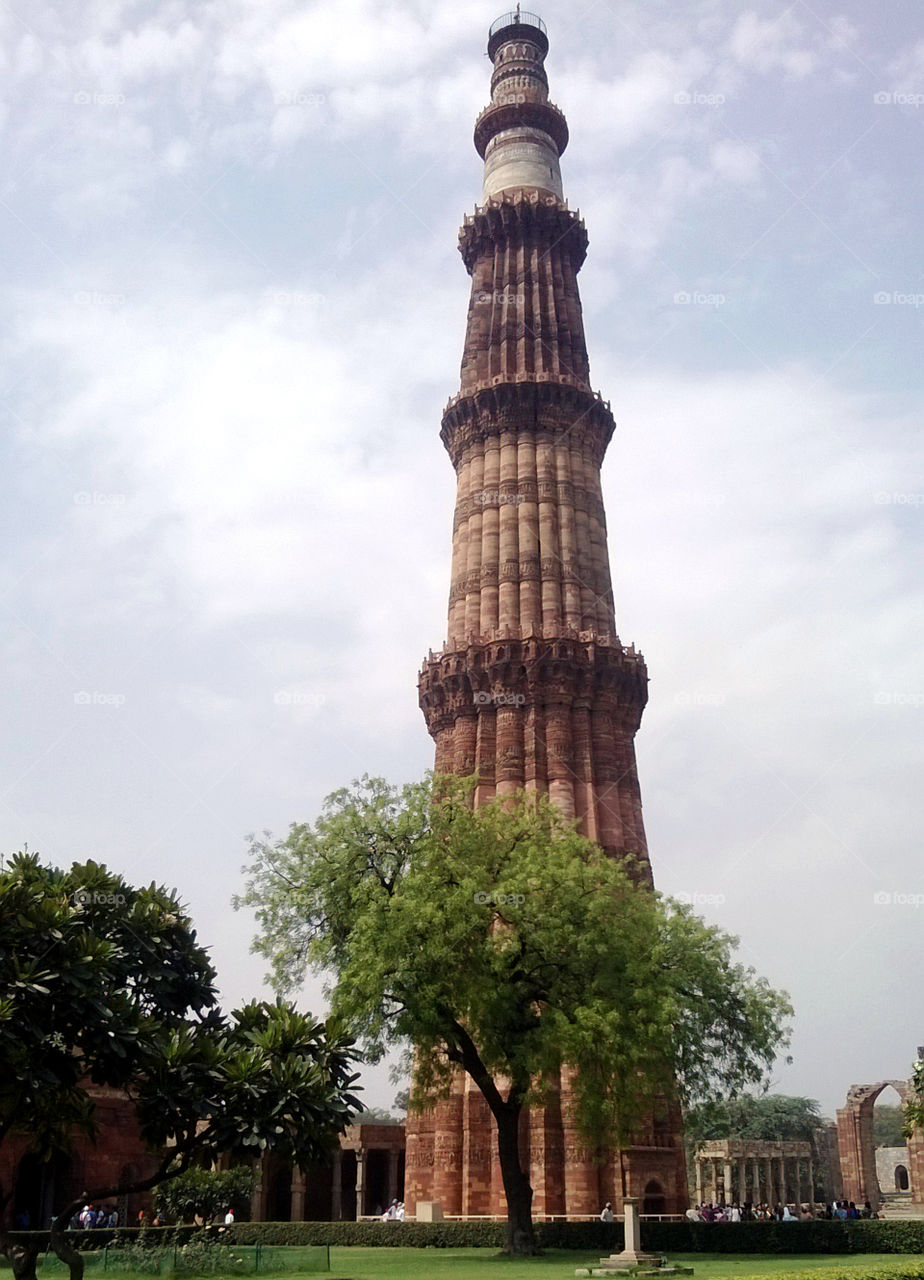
(655, 1200)
(40, 1186)
(901, 1178)
(277, 1183)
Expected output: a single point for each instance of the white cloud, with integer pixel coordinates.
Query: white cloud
(231, 328)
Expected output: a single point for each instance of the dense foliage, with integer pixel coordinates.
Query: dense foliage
(208, 1193)
(105, 983)
(852, 1237)
(501, 942)
(769, 1117)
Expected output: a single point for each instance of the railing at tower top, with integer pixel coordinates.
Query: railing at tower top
(511, 19)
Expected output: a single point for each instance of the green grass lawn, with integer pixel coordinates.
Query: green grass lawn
(484, 1264)
(556, 1264)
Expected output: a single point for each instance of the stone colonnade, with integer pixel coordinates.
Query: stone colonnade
(736, 1172)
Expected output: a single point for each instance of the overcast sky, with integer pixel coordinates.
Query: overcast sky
(232, 312)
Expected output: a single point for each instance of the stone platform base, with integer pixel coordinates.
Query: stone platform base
(641, 1270)
(632, 1263)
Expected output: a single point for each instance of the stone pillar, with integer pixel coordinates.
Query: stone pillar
(632, 1250)
(447, 1148)
(811, 1181)
(727, 1192)
(297, 1188)
(633, 1235)
(360, 1178)
(698, 1164)
(257, 1196)
(755, 1181)
(582, 1173)
(391, 1180)
(768, 1179)
(782, 1179)
(336, 1190)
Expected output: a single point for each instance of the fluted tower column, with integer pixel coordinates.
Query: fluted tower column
(532, 689)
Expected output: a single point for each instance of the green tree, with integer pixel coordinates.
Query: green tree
(205, 1193)
(888, 1126)
(375, 1115)
(502, 943)
(769, 1117)
(914, 1103)
(103, 983)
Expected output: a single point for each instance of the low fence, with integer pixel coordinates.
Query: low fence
(215, 1258)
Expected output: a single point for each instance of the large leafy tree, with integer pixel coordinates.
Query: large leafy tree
(888, 1126)
(768, 1117)
(500, 942)
(205, 1193)
(103, 983)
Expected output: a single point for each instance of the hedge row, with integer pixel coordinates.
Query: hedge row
(856, 1271)
(858, 1236)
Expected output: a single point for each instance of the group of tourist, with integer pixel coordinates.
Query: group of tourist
(394, 1212)
(748, 1212)
(99, 1216)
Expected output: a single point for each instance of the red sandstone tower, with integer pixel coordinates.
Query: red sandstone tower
(533, 688)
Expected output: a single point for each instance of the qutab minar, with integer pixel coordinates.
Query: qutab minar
(533, 689)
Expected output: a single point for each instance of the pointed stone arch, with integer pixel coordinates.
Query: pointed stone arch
(858, 1150)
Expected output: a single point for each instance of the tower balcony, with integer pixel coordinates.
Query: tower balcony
(517, 25)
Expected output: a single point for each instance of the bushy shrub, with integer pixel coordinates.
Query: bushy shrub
(859, 1237)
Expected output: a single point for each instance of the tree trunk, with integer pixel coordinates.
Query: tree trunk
(22, 1256)
(66, 1252)
(520, 1236)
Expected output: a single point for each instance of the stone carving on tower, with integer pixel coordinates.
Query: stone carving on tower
(533, 689)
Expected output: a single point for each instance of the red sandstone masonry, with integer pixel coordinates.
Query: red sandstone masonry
(533, 688)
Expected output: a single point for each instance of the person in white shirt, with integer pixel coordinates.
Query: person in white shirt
(229, 1218)
(606, 1213)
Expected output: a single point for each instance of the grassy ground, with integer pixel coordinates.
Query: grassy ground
(558, 1264)
(484, 1264)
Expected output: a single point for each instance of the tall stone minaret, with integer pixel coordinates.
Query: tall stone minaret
(533, 688)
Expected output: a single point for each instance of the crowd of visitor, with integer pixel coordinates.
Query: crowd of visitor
(748, 1212)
